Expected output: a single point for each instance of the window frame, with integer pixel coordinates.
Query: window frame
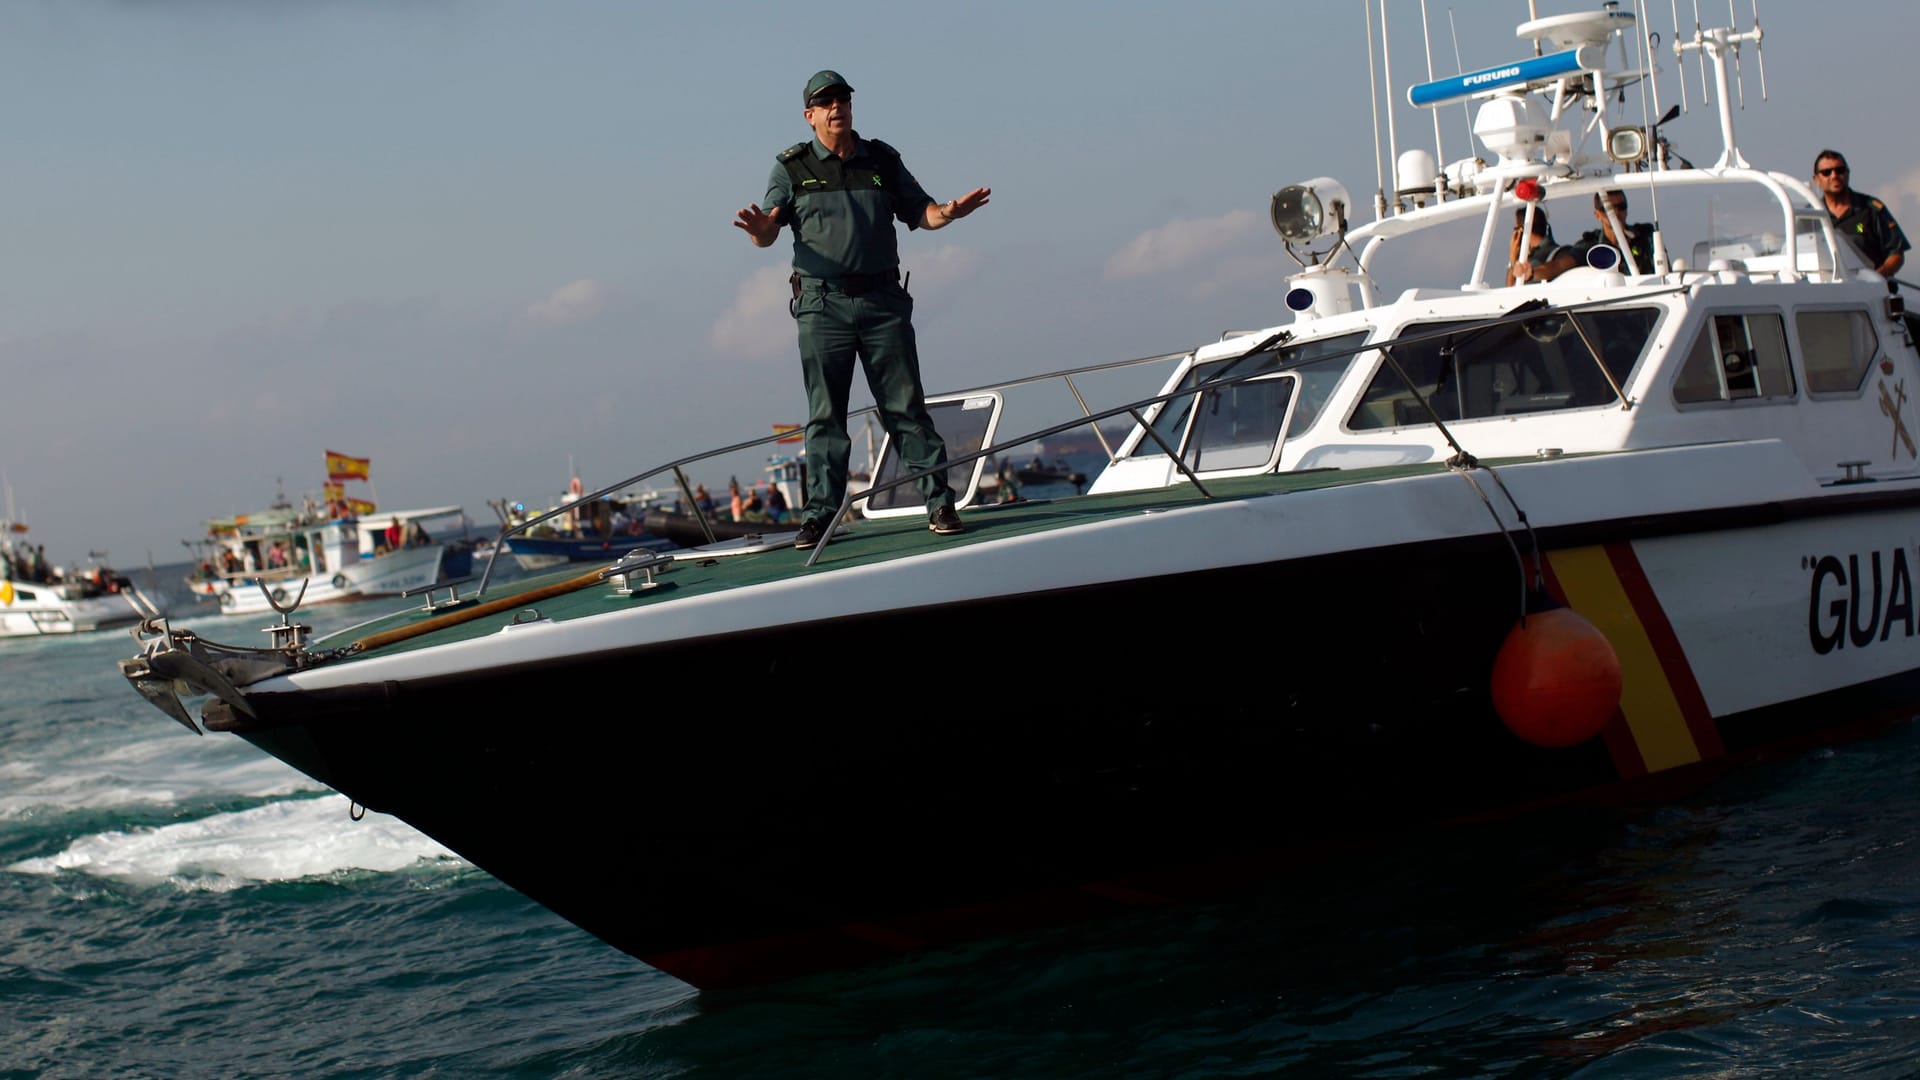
(1878, 351)
(1710, 324)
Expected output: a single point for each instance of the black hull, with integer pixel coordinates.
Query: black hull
(833, 834)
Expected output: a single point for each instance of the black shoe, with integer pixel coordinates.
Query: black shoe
(810, 533)
(945, 521)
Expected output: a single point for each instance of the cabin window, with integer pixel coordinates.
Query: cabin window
(1836, 349)
(1736, 357)
(1471, 368)
(1238, 426)
(1320, 364)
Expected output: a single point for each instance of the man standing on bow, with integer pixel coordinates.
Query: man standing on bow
(842, 193)
(1864, 220)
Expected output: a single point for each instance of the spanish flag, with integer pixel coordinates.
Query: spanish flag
(342, 467)
(361, 507)
(334, 492)
(789, 433)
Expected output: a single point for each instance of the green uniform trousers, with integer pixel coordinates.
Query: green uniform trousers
(877, 327)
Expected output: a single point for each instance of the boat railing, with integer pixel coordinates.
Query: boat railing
(1791, 198)
(677, 468)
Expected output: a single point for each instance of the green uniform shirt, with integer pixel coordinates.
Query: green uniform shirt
(1639, 245)
(840, 209)
(1869, 226)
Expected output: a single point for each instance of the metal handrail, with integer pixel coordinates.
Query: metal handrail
(1134, 409)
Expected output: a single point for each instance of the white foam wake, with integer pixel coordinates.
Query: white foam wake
(281, 841)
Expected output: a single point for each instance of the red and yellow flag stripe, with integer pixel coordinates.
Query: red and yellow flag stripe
(1663, 721)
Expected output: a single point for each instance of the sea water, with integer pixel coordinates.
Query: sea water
(174, 905)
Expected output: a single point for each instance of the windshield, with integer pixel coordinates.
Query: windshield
(1320, 362)
(1521, 366)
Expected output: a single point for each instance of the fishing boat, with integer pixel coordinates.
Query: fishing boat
(37, 600)
(1393, 561)
(579, 530)
(287, 555)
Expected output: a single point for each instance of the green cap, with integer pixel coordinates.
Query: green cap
(820, 81)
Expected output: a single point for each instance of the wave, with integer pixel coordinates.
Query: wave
(280, 841)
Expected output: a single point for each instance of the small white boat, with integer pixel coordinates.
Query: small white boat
(36, 601)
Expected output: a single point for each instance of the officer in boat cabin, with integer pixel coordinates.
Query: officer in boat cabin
(1864, 220)
(1638, 242)
(1527, 254)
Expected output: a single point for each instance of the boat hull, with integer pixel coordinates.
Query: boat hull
(30, 609)
(543, 553)
(388, 574)
(823, 837)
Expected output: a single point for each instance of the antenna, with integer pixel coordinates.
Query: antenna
(1679, 60)
(1739, 79)
(1643, 47)
(1698, 33)
(1386, 74)
(1439, 154)
(1466, 114)
(1373, 90)
(1643, 53)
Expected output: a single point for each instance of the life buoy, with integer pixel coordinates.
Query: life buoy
(226, 599)
(340, 582)
(279, 596)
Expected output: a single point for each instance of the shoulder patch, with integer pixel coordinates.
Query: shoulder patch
(1877, 204)
(792, 152)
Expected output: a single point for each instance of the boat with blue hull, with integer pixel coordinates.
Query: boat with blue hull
(1386, 564)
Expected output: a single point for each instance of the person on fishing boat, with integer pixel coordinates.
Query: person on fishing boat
(842, 193)
(1864, 220)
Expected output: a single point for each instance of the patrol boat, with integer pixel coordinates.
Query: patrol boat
(1394, 560)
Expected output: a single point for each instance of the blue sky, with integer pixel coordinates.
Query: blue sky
(478, 241)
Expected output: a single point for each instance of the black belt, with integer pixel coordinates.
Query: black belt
(856, 284)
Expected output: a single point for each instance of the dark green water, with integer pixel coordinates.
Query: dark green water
(173, 906)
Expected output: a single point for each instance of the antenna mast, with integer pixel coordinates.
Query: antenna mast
(1715, 44)
(1373, 90)
(1386, 74)
(1440, 155)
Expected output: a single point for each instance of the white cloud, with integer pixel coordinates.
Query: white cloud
(757, 323)
(570, 303)
(941, 267)
(1181, 242)
(1904, 193)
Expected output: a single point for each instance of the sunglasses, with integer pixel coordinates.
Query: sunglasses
(1840, 170)
(828, 97)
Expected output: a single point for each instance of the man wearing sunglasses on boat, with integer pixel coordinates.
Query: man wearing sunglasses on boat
(1864, 220)
(842, 193)
(1632, 239)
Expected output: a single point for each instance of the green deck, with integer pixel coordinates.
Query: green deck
(869, 541)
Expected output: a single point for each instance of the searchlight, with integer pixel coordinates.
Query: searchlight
(1302, 213)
